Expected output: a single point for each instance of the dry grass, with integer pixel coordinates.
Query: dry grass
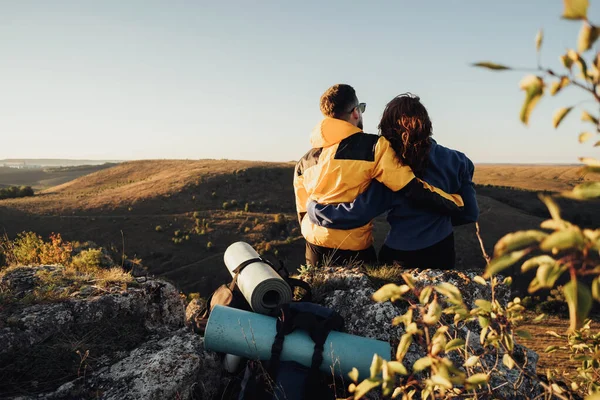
(530, 177)
(47, 177)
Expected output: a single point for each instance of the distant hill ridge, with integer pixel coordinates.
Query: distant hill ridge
(54, 162)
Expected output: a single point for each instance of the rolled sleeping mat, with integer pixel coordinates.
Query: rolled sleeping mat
(251, 336)
(261, 286)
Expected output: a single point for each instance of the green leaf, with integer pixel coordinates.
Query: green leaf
(409, 280)
(539, 318)
(480, 280)
(450, 291)
(484, 322)
(518, 240)
(562, 240)
(405, 318)
(471, 361)
(579, 299)
(537, 261)
(484, 305)
(454, 344)
(577, 59)
(546, 277)
(584, 191)
(425, 294)
(566, 61)
(585, 136)
(499, 264)
(587, 36)
(555, 225)
(552, 207)
(376, 365)
(434, 312)
(507, 281)
(421, 364)
(397, 368)
(390, 292)
(550, 349)
(587, 117)
(575, 9)
(508, 361)
(523, 334)
(539, 38)
(534, 89)
(441, 381)
(365, 387)
(477, 379)
(491, 65)
(353, 375)
(557, 86)
(405, 342)
(559, 115)
(596, 288)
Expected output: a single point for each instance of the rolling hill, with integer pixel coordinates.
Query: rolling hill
(40, 178)
(179, 216)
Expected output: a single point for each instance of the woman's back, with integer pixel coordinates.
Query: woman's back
(414, 227)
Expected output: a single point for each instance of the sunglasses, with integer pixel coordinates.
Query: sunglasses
(361, 106)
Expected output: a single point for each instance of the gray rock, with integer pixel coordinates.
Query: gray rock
(172, 367)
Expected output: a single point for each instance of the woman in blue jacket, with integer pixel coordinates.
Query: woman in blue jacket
(419, 237)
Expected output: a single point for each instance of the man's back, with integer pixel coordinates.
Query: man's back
(340, 166)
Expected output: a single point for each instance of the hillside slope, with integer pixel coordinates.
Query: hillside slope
(180, 216)
(530, 177)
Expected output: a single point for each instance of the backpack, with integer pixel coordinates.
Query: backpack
(230, 295)
(289, 380)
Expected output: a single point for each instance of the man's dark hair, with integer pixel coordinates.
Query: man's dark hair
(338, 100)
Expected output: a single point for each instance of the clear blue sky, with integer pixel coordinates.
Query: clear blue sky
(133, 79)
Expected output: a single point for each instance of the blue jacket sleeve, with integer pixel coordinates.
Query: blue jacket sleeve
(470, 213)
(374, 201)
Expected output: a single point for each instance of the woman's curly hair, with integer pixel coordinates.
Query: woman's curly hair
(406, 124)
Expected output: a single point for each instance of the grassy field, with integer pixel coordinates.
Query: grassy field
(42, 178)
(180, 216)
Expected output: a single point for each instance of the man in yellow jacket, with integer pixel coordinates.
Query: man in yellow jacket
(340, 165)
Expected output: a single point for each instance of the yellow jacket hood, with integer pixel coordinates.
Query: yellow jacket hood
(331, 131)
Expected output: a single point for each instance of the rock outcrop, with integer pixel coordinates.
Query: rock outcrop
(130, 341)
(113, 342)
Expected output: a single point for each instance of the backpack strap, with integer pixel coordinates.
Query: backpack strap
(239, 269)
(284, 327)
(292, 282)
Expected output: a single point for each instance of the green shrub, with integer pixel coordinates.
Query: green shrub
(28, 248)
(246, 207)
(90, 258)
(233, 203)
(13, 192)
(196, 215)
(225, 205)
(559, 248)
(158, 228)
(209, 245)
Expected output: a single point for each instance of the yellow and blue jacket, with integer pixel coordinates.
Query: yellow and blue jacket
(340, 165)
